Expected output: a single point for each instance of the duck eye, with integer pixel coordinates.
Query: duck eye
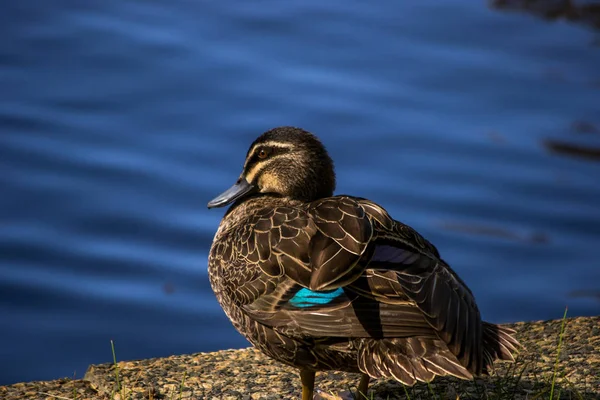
(263, 153)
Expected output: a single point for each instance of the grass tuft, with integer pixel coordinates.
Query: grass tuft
(119, 389)
(180, 387)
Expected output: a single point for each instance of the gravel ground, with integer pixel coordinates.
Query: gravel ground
(247, 374)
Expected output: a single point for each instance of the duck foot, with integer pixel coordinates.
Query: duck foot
(321, 395)
(345, 395)
(359, 394)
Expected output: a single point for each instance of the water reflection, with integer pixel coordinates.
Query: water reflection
(586, 152)
(590, 294)
(587, 13)
(585, 127)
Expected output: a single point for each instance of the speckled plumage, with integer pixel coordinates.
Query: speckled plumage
(324, 282)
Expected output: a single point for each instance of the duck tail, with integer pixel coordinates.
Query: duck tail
(409, 360)
(499, 343)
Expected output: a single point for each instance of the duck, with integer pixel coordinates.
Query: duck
(325, 282)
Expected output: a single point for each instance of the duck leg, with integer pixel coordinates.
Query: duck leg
(308, 384)
(363, 386)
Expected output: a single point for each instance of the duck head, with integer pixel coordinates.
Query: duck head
(286, 162)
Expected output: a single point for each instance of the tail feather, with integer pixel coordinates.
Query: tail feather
(409, 360)
(420, 359)
(498, 343)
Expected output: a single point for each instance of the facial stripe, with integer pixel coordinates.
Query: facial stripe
(272, 144)
(260, 165)
(307, 298)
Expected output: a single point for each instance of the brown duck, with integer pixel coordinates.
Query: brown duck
(323, 282)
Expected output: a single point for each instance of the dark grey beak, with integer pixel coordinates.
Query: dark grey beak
(235, 192)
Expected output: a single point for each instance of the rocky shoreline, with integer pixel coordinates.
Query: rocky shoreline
(247, 374)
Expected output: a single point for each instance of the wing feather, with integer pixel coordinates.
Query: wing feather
(445, 301)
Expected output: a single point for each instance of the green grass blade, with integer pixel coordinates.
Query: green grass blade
(181, 386)
(114, 354)
(560, 339)
(406, 392)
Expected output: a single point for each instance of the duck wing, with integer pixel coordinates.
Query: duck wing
(342, 267)
(315, 246)
(310, 280)
(403, 263)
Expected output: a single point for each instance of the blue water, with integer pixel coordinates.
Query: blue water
(119, 120)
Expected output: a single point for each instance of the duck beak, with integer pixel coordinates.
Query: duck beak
(235, 192)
